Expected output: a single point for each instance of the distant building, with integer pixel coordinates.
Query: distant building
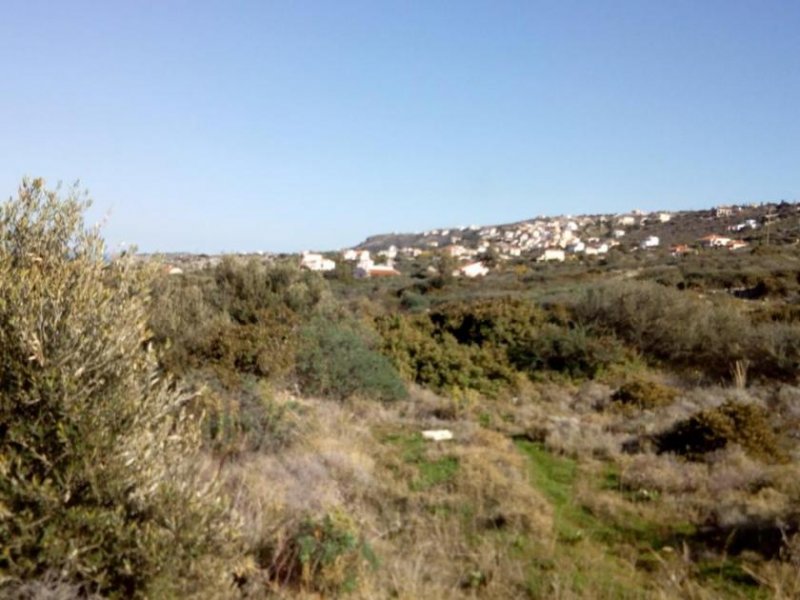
(316, 262)
(650, 242)
(476, 269)
(455, 251)
(596, 250)
(723, 211)
(626, 220)
(367, 270)
(576, 246)
(551, 254)
(737, 245)
(714, 241)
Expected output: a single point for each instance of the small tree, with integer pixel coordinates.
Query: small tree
(96, 476)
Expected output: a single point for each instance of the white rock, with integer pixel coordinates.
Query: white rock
(438, 435)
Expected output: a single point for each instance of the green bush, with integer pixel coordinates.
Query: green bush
(325, 555)
(644, 394)
(731, 423)
(247, 419)
(433, 358)
(669, 325)
(239, 319)
(489, 346)
(570, 351)
(97, 481)
(336, 360)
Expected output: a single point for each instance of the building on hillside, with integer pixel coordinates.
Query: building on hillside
(679, 250)
(455, 251)
(350, 254)
(626, 220)
(576, 246)
(553, 254)
(364, 271)
(596, 250)
(737, 245)
(651, 241)
(316, 262)
(748, 224)
(390, 252)
(476, 269)
(714, 241)
(723, 211)
(411, 251)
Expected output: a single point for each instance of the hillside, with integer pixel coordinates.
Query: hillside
(746, 222)
(617, 425)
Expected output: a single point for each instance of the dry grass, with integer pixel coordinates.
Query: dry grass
(465, 518)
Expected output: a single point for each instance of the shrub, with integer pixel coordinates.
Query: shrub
(716, 428)
(413, 301)
(669, 325)
(571, 351)
(96, 475)
(324, 555)
(644, 394)
(428, 356)
(248, 419)
(336, 360)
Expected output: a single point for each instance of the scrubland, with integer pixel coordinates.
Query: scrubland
(255, 431)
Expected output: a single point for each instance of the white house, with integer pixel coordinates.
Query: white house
(350, 254)
(650, 242)
(390, 252)
(596, 250)
(626, 220)
(369, 270)
(714, 241)
(577, 246)
(555, 254)
(476, 269)
(316, 262)
(737, 245)
(455, 251)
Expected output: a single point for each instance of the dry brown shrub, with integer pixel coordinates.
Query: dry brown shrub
(662, 474)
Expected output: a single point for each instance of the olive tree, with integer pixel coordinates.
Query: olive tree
(98, 475)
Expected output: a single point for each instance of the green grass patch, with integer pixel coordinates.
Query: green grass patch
(435, 472)
(587, 538)
(430, 471)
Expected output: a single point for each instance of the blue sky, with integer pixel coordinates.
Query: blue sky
(282, 126)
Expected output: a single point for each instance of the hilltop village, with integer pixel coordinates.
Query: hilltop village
(476, 250)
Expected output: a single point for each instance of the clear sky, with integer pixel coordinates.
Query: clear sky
(282, 126)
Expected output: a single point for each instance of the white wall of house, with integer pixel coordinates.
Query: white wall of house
(476, 269)
(555, 254)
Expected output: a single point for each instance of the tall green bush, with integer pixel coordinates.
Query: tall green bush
(97, 481)
(336, 360)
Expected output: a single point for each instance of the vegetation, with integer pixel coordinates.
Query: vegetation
(96, 448)
(249, 429)
(715, 428)
(643, 394)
